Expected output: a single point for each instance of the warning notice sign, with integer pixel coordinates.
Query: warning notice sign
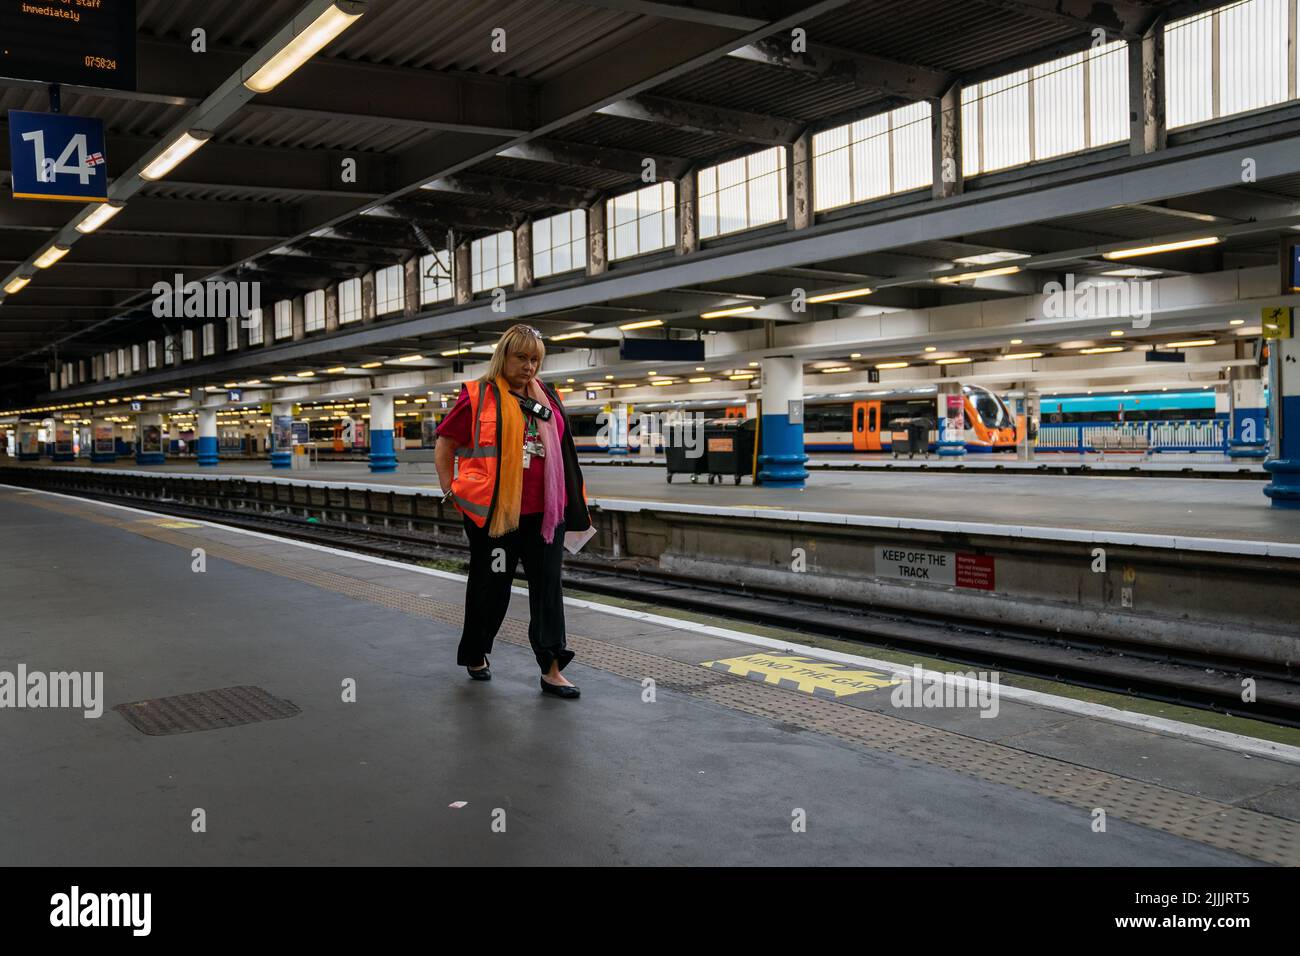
(936, 567)
(975, 571)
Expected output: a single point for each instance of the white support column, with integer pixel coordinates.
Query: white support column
(207, 434)
(382, 456)
(950, 412)
(782, 456)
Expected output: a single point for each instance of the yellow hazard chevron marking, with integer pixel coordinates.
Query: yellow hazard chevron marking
(815, 677)
(176, 524)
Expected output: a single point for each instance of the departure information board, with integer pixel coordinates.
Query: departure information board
(78, 42)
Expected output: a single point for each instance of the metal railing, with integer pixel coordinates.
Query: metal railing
(1206, 435)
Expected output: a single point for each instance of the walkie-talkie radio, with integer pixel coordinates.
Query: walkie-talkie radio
(533, 407)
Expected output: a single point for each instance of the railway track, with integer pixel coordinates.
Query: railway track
(1206, 683)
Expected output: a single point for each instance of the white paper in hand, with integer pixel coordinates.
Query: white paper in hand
(574, 540)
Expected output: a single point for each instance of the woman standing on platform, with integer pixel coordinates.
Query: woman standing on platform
(520, 489)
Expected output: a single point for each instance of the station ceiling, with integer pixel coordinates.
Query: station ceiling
(415, 93)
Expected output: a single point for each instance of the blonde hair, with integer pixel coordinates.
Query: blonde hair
(515, 338)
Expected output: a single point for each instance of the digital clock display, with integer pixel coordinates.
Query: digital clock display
(78, 42)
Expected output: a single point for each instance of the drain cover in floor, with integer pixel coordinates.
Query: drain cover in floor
(206, 710)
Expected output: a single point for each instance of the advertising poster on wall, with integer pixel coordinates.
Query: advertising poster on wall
(151, 438)
(360, 435)
(301, 433)
(282, 432)
(28, 442)
(104, 440)
(63, 440)
(955, 418)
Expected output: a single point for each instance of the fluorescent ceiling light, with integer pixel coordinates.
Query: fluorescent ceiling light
(931, 348)
(698, 381)
(306, 374)
(102, 214)
(444, 354)
(335, 371)
(1102, 350)
(302, 48)
(1237, 322)
(567, 335)
(647, 324)
(834, 296)
(17, 284)
(372, 365)
(1022, 355)
(1162, 247)
(734, 310)
(982, 274)
(664, 381)
(952, 361)
(892, 365)
(836, 370)
(1189, 344)
(988, 258)
(173, 155)
(741, 375)
(50, 256)
(417, 358)
(1132, 272)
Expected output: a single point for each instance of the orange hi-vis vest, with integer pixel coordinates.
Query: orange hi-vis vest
(474, 489)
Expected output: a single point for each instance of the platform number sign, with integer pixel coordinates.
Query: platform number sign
(57, 157)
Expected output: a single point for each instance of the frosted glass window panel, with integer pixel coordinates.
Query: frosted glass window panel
(435, 277)
(349, 301)
(135, 359)
(1189, 85)
(1005, 122)
(390, 290)
(283, 319)
(913, 163)
(832, 185)
(314, 311)
(870, 157)
(209, 339)
(1108, 119)
(970, 132)
(152, 352)
(254, 327)
(1058, 107)
(232, 333)
(1252, 55)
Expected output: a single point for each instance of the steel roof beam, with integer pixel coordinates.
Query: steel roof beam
(860, 70)
(518, 190)
(628, 162)
(709, 120)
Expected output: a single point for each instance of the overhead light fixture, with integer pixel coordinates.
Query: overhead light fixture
(445, 354)
(101, 214)
(1102, 350)
(734, 310)
(335, 371)
(952, 361)
(1017, 341)
(700, 380)
(1162, 247)
(663, 381)
(372, 364)
(50, 256)
(417, 358)
(567, 335)
(630, 385)
(175, 154)
(1189, 344)
(646, 324)
(1022, 355)
(609, 376)
(883, 365)
(836, 370)
(1132, 272)
(1237, 322)
(835, 296)
(931, 348)
(17, 284)
(988, 258)
(1116, 333)
(982, 274)
(739, 376)
(306, 374)
(336, 18)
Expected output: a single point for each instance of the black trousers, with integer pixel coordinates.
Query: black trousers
(492, 563)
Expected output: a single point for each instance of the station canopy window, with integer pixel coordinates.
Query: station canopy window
(878, 156)
(284, 319)
(492, 261)
(1067, 105)
(641, 221)
(1229, 60)
(560, 243)
(435, 277)
(742, 193)
(313, 304)
(390, 289)
(255, 327)
(349, 301)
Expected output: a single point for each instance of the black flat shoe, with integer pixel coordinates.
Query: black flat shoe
(483, 673)
(568, 692)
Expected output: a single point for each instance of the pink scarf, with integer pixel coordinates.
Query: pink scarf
(554, 497)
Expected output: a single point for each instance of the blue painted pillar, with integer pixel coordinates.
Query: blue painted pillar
(781, 458)
(951, 416)
(149, 440)
(282, 435)
(207, 435)
(382, 457)
(1284, 391)
(104, 441)
(1247, 415)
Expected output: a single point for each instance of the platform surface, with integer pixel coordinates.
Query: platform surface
(1231, 510)
(711, 771)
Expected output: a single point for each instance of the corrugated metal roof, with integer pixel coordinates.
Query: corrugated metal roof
(635, 136)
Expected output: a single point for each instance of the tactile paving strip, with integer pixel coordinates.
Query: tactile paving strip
(206, 710)
(1247, 832)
